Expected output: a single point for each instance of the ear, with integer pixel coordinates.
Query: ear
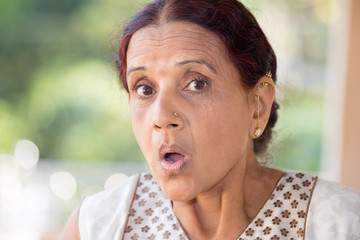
(261, 99)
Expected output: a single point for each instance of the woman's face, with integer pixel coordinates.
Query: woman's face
(181, 67)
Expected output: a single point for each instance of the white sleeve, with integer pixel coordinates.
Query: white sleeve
(334, 213)
(104, 215)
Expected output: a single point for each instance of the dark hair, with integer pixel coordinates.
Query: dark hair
(245, 42)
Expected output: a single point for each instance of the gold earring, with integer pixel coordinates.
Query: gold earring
(263, 85)
(269, 74)
(258, 132)
(175, 114)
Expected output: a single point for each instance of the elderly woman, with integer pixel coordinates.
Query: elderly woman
(201, 81)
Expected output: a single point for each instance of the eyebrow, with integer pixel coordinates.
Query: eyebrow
(198, 61)
(135, 69)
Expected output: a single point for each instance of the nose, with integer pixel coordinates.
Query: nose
(166, 113)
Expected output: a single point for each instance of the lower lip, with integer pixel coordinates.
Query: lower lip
(173, 168)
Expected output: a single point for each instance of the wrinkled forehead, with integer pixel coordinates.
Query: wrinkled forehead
(174, 36)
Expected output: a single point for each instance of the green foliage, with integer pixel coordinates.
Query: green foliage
(58, 84)
(297, 142)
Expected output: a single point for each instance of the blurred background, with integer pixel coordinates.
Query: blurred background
(64, 121)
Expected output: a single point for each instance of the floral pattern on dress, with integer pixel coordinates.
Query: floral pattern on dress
(151, 215)
(283, 216)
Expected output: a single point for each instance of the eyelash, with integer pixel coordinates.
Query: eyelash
(206, 84)
(137, 86)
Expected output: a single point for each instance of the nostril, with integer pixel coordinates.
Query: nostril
(174, 125)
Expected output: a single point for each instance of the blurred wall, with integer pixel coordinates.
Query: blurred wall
(350, 164)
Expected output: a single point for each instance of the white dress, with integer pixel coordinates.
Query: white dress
(300, 207)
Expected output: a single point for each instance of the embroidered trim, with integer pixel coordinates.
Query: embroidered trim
(308, 206)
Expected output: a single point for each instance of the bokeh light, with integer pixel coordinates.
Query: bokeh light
(8, 169)
(63, 185)
(10, 185)
(114, 180)
(38, 198)
(26, 153)
(10, 193)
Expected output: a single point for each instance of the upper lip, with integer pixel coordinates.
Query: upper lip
(171, 148)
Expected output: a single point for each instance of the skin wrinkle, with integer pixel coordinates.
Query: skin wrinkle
(190, 39)
(192, 50)
(182, 63)
(161, 42)
(154, 40)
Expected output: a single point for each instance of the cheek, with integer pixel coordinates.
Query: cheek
(223, 129)
(141, 129)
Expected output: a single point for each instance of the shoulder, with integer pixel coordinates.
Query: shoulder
(99, 213)
(334, 212)
(337, 198)
(334, 192)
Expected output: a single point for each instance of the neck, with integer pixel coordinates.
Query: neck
(225, 210)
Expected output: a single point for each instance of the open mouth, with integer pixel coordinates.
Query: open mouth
(173, 163)
(173, 157)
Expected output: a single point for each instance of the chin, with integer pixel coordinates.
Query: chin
(178, 189)
(179, 195)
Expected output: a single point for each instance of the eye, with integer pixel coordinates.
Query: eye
(144, 90)
(197, 85)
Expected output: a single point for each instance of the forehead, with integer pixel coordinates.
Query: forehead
(181, 38)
